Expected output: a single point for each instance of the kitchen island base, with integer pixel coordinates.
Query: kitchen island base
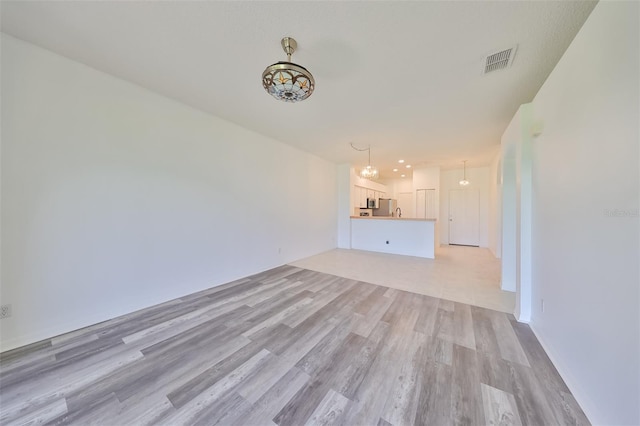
(409, 237)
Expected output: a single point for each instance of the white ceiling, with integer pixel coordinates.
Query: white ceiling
(403, 77)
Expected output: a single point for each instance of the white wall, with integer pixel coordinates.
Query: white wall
(115, 198)
(366, 183)
(524, 194)
(478, 178)
(397, 186)
(495, 206)
(345, 205)
(585, 215)
(516, 210)
(509, 264)
(426, 178)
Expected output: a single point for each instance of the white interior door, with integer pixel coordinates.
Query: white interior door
(464, 217)
(405, 202)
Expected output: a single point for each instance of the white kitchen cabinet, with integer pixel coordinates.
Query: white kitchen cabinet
(371, 193)
(356, 196)
(360, 196)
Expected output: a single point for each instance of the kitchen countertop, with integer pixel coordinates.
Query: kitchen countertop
(392, 218)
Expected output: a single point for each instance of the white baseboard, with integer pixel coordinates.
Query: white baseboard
(585, 403)
(53, 331)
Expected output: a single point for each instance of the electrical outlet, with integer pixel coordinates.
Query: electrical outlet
(541, 305)
(5, 311)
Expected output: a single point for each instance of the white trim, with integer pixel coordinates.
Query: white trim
(588, 406)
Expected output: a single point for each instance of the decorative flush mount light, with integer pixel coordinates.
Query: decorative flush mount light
(287, 81)
(369, 172)
(464, 181)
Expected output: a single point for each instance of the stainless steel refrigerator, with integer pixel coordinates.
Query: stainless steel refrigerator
(386, 207)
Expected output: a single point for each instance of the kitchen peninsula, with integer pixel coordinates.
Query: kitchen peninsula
(409, 237)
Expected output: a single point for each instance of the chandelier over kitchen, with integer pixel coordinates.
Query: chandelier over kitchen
(287, 81)
(370, 172)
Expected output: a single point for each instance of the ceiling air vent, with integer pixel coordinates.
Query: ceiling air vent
(499, 60)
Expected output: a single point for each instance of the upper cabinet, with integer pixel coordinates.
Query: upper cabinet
(360, 194)
(371, 194)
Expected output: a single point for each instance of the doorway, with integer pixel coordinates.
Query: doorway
(464, 217)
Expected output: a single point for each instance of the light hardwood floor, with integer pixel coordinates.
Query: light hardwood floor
(291, 347)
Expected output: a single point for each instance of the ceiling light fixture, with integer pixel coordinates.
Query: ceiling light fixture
(370, 172)
(402, 175)
(408, 166)
(464, 181)
(287, 81)
(400, 161)
(395, 170)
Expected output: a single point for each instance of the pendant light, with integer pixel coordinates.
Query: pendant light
(464, 181)
(370, 172)
(287, 81)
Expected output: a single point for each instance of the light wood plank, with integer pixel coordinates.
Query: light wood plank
(434, 401)
(466, 398)
(40, 415)
(191, 411)
(402, 400)
(291, 346)
(463, 333)
(500, 408)
(531, 398)
(329, 411)
(365, 324)
(255, 388)
(510, 347)
(275, 399)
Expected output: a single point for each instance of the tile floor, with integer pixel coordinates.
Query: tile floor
(462, 274)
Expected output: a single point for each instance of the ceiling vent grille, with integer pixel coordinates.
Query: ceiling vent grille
(499, 60)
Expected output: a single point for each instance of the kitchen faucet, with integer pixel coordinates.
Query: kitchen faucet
(399, 211)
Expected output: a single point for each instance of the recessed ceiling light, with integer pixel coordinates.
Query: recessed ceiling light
(401, 175)
(400, 161)
(408, 166)
(395, 170)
